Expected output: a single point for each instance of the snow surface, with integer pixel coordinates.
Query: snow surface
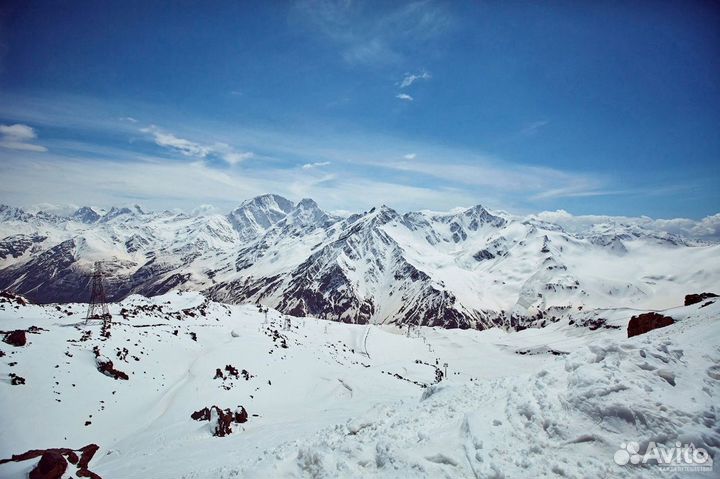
(330, 405)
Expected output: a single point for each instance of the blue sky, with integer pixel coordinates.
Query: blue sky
(605, 108)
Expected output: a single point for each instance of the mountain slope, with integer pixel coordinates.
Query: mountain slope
(324, 399)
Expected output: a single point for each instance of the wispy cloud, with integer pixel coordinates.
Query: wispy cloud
(181, 145)
(410, 78)
(19, 137)
(404, 97)
(434, 175)
(533, 128)
(317, 164)
(196, 150)
(370, 35)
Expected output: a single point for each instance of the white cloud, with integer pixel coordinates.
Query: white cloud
(404, 97)
(197, 150)
(168, 140)
(410, 78)
(317, 164)
(229, 154)
(204, 210)
(129, 119)
(410, 156)
(19, 137)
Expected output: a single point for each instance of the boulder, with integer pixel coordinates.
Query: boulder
(16, 338)
(696, 298)
(52, 465)
(645, 322)
(241, 415)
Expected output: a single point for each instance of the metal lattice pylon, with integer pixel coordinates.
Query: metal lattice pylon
(98, 308)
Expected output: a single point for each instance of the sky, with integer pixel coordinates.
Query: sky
(602, 108)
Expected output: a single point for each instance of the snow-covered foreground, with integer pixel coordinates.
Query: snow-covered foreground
(348, 400)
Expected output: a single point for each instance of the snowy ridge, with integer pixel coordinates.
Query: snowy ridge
(467, 268)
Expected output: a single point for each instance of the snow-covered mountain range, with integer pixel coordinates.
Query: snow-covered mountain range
(468, 268)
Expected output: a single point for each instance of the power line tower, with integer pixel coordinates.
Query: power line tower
(98, 308)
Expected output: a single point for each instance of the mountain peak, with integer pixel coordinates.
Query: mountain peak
(269, 200)
(307, 203)
(86, 215)
(256, 215)
(114, 213)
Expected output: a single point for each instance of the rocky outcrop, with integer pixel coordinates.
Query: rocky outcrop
(221, 420)
(16, 338)
(8, 297)
(645, 322)
(105, 366)
(52, 465)
(696, 298)
(54, 462)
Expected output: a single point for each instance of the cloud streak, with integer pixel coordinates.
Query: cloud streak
(409, 78)
(19, 137)
(294, 161)
(404, 97)
(317, 164)
(367, 35)
(196, 150)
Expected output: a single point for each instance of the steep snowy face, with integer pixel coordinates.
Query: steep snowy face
(464, 268)
(255, 216)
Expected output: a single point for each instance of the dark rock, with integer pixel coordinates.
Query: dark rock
(224, 418)
(201, 415)
(696, 298)
(105, 366)
(16, 338)
(87, 454)
(52, 465)
(645, 322)
(8, 297)
(483, 255)
(241, 415)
